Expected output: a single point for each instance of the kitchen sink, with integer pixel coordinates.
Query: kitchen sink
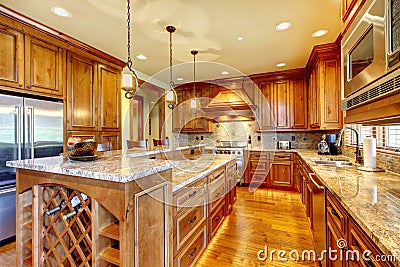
(334, 163)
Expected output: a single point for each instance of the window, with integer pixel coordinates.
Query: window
(393, 136)
(387, 137)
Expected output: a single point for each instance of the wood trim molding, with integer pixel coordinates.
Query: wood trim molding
(330, 50)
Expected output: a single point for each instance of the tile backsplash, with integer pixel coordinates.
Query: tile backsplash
(241, 131)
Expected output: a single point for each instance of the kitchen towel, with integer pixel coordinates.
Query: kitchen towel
(369, 152)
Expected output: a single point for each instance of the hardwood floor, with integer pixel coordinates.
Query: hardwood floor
(265, 217)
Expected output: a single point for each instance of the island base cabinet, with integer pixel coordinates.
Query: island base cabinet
(73, 221)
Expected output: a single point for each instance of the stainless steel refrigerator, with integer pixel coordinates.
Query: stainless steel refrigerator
(29, 128)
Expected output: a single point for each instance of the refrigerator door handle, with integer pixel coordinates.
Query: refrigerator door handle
(31, 130)
(8, 190)
(18, 129)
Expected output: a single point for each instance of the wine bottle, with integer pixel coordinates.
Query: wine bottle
(76, 206)
(59, 207)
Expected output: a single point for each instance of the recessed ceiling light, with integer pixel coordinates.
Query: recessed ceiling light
(179, 79)
(319, 33)
(224, 73)
(141, 57)
(283, 26)
(279, 65)
(61, 12)
(240, 38)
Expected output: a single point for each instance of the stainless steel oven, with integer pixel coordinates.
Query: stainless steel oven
(364, 47)
(236, 148)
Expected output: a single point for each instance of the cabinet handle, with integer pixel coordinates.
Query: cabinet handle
(334, 213)
(191, 254)
(217, 218)
(192, 194)
(20, 85)
(281, 157)
(29, 86)
(192, 220)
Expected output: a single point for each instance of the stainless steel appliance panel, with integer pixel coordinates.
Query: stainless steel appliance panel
(7, 212)
(363, 48)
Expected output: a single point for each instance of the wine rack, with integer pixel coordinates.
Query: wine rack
(25, 202)
(66, 241)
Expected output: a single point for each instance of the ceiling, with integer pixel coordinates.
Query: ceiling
(210, 26)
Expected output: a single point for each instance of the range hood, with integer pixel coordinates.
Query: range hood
(230, 105)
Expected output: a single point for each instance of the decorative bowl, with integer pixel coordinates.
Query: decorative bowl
(85, 148)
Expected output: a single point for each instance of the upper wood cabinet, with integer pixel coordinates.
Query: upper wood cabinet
(183, 119)
(27, 63)
(109, 96)
(282, 103)
(81, 93)
(324, 88)
(11, 57)
(44, 66)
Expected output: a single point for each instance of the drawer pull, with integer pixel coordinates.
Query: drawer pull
(217, 218)
(281, 157)
(192, 194)
(192, 220)
(191, 254)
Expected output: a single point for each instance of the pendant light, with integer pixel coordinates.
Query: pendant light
(170, 95)
(130, 76)
(194, 102)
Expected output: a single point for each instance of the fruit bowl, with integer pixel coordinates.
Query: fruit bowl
(85, 148)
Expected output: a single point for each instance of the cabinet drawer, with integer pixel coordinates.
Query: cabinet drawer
(217, 193)
(231, 182)
(184, 197)
(192, 252)
(258, 178)
(231, 169)
(187, 222)
(216, 219)
(217, 175)
(259, 156)
(336, 213)
(283, 156)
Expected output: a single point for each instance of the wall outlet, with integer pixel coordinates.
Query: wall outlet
(258, 137)
(201, 137)
(293, 138)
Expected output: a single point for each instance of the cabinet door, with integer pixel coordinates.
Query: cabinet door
(177, 113)
(281, 173)
(44, 66)
(110, 98)
(313, 98)
(265, 103)
(298, 91)
(81, 93)
(331, 113)
(11, 58)
(333, 235)
(282, 104)
(112, 139)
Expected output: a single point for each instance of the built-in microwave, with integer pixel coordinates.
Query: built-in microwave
(364, 47)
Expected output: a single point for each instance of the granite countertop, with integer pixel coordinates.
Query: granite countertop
(371, 198)
(189, 171)
(118, 166)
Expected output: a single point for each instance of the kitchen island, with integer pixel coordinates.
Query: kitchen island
(115, 211)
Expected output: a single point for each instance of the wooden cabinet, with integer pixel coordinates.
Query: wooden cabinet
(109, 97)
(183, 118)
(231, 180)
(258, 169)
(298, 96)
(333, 236)
(93, 98)
(28, 63)
(324, 88)
(282, 170)
(282, 104)
(82, 93)
(11, 57)
(44, 66)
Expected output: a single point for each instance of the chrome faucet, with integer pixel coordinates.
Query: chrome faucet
(338, 143)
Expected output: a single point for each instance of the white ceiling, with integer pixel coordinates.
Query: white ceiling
(210, 26)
